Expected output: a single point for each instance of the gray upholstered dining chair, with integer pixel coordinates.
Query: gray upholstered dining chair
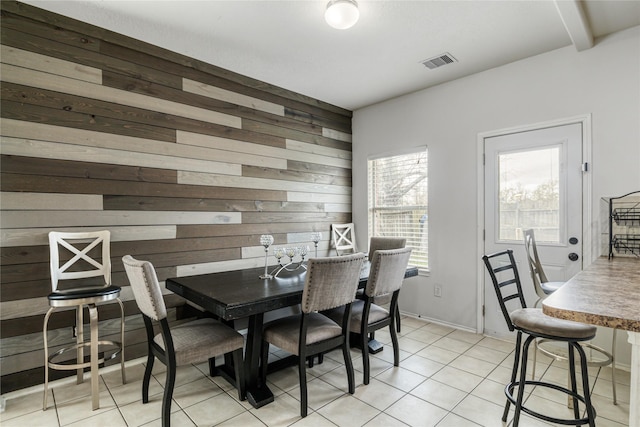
(330, 282)
(192, 342)
(385, 278)
(383, 243)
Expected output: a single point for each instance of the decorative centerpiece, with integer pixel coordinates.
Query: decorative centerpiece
(291, 253)
(266, 240)
(290, 258)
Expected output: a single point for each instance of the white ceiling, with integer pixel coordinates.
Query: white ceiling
(288, 44)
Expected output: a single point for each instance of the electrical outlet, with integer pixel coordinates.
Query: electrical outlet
(437, 290)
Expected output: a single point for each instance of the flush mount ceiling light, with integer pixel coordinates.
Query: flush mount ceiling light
(342, 14)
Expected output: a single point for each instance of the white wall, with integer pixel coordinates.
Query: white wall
(603, 81)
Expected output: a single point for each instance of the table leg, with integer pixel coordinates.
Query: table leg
(257, 394)
(634, 402)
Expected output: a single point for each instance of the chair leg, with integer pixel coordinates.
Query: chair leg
(46, 360)
(523, 379)
(585, 385)
(398, 319)
(122, 370)
(346, 353)
(514, 371)
(147, 376)
(364, 349)
(79, 341)
(302, 373)
(168, 393)
(93, 325)
(240, 380)
(535, 358)
(396, 346)
(572, 381)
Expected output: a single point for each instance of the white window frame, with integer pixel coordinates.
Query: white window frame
(415, 211)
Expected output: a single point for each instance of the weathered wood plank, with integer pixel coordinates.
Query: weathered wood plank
(200, 178)
(41, 201)
(33, 323)
(293, 175)
(317, 149)
(43, 184)
(144, 50)
(14, 291)
(38, 236)
(52, 99)
(294, 196)
(268, 128)
(25, 76)
(293, 150)
(140, 149)
(210, 91)
(336, 134)
(289, 217)
(186, 231)
(36, 114)
(46, 30)
(26, 59)
(19, 146)
(47, 219)
(316, 168)
(205, 205)
(58, 338)
(46, 46)
(88, 170)
(333, 159)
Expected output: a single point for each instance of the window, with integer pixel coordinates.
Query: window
(398, 201)
(530, 194)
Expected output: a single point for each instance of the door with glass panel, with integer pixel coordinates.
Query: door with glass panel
(533, 180)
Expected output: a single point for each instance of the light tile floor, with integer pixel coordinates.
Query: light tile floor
(447, 377)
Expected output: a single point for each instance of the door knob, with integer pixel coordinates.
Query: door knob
(573, 256)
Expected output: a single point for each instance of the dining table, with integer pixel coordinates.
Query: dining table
(242, 294)
(606, 293)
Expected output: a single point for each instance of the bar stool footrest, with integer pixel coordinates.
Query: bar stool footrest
(75, 366)
(608, 361)
(508, 391)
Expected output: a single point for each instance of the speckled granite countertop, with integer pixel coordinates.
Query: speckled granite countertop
(606, 293)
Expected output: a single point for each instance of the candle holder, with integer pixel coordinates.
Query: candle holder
(266, 240)
(316, 236)
(290, 252)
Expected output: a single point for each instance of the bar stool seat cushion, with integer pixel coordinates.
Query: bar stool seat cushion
(103, 293)
(550, 287)
(535, 321)
(284, 333)
(200, 340)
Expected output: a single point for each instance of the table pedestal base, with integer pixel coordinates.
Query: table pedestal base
(259, 397)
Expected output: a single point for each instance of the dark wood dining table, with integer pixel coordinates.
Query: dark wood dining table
(239, 294)
(606, 293)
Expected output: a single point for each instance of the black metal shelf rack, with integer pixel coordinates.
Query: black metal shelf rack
(624, 212)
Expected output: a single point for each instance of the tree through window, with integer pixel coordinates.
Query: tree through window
(398, 201)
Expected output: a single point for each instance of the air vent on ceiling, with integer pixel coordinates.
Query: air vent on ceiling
(439, 61)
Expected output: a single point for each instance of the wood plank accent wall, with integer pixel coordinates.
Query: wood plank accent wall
(187, 164)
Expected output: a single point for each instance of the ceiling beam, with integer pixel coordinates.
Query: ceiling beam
(575, 21)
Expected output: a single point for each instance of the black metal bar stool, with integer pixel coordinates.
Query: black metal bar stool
(535, 324)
